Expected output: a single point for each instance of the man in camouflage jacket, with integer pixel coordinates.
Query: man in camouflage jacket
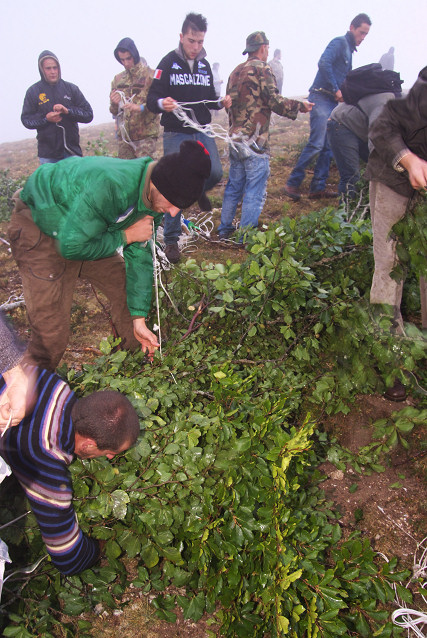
(253, 90)
(137, 127)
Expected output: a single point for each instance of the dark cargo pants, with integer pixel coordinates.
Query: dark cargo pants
(49, 280)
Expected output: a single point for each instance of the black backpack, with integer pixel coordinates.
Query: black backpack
(369, 80)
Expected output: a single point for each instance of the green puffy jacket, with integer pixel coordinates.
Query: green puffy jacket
(86, 203)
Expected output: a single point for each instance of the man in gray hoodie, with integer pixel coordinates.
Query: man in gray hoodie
(54, 107)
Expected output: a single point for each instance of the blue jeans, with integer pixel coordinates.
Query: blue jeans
(53, 160)
(171, 143)
(317, 145)
(247, 183)
(347, 149)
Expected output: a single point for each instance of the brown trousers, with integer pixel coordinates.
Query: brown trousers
(49, 280)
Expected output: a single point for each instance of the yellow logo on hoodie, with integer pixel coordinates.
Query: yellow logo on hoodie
(43, 99)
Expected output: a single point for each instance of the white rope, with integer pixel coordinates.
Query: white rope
(156, 287)
(410, 619)
(7, 426)
(121, 118)
(413, 620)
(65, 139)
(187, 117)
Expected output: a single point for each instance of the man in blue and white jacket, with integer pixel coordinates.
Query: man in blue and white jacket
(334, 64)
(185, 76)
(40, 448)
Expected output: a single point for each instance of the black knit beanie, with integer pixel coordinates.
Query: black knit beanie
(180, 177)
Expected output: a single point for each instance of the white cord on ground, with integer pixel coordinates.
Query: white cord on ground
(412, 619)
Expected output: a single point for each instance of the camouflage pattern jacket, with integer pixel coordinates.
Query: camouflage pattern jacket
(135, 84)
(254, 93)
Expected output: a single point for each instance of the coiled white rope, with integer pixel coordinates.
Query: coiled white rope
(413, 620)
(121, 118)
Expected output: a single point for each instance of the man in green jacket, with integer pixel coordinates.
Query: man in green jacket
(69, 221)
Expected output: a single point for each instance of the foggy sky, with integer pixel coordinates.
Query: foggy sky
(84, 33)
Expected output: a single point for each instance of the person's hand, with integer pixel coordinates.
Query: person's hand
(226, 101)
(19, 397)
(130, 106)
(54, 117)
(169, 104)
(115, 97)
(338, 96)
(306, 106)
(147, 339)
(142, 230)
(60, 108)
(417, 170)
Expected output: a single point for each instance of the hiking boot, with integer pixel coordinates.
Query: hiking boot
(172, 253)
(323, 194)
(204, 203)
(397, 392)
(292, 192)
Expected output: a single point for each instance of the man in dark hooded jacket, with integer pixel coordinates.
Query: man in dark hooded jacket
(53, 107)
(138, 128)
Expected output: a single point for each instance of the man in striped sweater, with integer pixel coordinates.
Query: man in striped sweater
(40, 448)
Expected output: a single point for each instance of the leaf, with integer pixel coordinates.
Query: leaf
(283, 624)
(120, 501)
(195, 608)
(150, 556)
(164, 614)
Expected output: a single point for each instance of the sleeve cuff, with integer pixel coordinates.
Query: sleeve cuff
(396, 162)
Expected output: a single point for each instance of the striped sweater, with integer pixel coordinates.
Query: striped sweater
(38, 451)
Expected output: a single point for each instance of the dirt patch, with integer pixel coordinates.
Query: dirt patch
(389, 507)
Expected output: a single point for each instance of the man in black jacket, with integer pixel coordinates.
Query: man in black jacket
(53, 107)
(184, 75)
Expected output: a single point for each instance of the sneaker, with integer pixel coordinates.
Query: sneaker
(226, 234)
(292, 192)
(323, 194)
(204, 203)
(172, 253)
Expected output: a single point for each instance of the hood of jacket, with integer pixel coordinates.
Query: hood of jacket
(180, 51)
(48, 54)
(128, 45)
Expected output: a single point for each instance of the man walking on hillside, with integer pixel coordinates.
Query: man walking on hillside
(53, 107)
(334, 64)
(254, 96)
(277, 68)
(185, 76)
(138, 128)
